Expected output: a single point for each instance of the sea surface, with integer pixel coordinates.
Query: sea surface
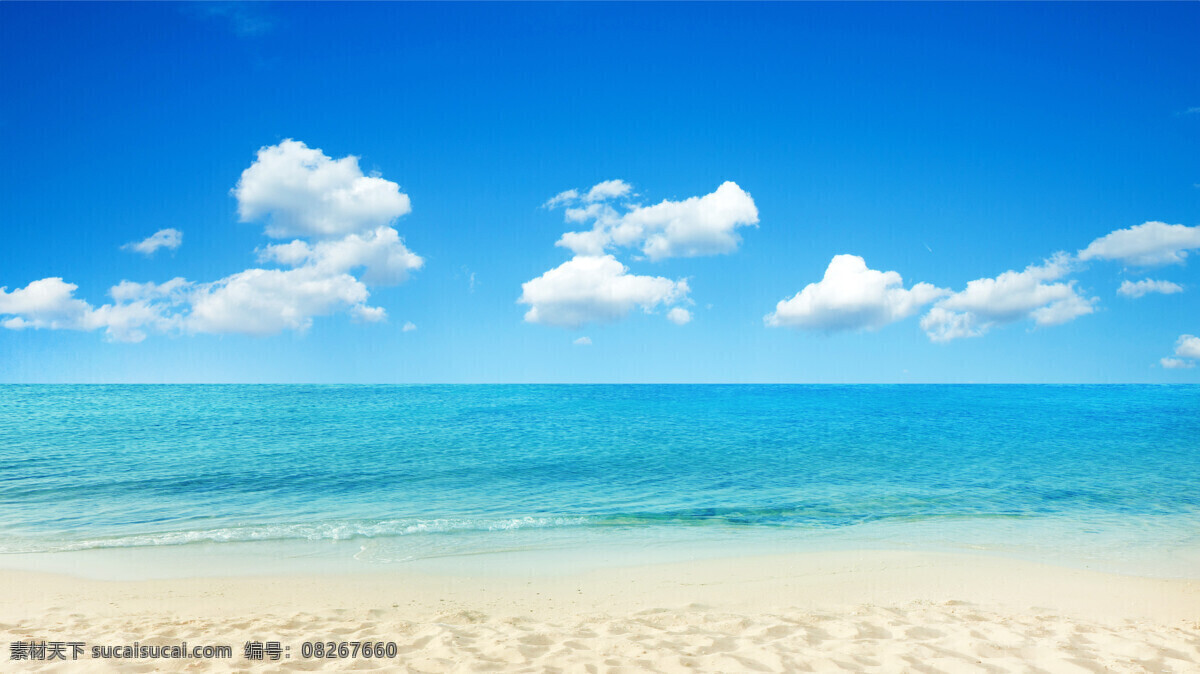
(1098, 476)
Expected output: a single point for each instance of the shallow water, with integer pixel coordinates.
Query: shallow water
(1104, 474)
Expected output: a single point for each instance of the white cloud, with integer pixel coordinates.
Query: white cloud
(128, 322)
(595, 289)
(365, 314)
(409, 326)
(609, 189)
(591, 242)
(128, 291)
(295, 190)
(1188, 346)
(50, 304)
(693, 227)
(583, 341)
(1146, 286)
(163, 238)
(1149, 244)
(603, 191)
(380, 254)
(269, 301)
(679, 316)
(852, 296)
(1011, 296)
(46, 303)
(564, 197)
(299, 191)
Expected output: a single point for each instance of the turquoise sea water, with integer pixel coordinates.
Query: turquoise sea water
(1103, 475)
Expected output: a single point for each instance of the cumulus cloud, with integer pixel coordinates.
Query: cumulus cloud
(268, 301)
(609, 189)
(50, 304)
(1011, 296)
(583, 341)
(300, 191)
(603, 191)
(163, 238)
(46, 303)
(380, 254)
(1188, 346)
(362, 313)
(564, 197)
(129, 291)
(409, 326)
(679, 316)
(588, 289)
(1150, 244)
(1144, 287)
(346, 217)
(852, 296)
(693, 227)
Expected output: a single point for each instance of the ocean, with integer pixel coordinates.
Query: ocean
(1098, 476)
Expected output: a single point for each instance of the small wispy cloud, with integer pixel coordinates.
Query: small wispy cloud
(163, 238)
(1146, 286)
(409, 326)
(246, 19)
(470, 277)
(583, 341)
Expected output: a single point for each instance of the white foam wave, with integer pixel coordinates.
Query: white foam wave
(311, 531)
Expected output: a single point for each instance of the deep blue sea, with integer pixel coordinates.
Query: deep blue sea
(1098, 475)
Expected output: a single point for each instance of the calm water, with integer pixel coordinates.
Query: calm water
(409, 472)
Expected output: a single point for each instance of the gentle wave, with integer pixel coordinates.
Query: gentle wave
(324, 531)
(366, 529)
(423, 470)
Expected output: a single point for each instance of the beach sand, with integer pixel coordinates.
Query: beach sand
(885, 611)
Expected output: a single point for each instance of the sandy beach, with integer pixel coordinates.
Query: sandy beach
(831, 611)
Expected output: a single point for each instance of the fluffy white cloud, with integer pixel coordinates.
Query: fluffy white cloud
(583, 341)
(163, 238)
(595, 289)
(380, 254)
(268, 301)
(362, 313)
(693, 227)
(299, 191)
(409, 326)
(46, 303)
(603, 191)
(1146, 286)
(1188, 346)
(609, 189)
(679, 316)
(852, 296)
(129, 321)
(295, 190)
(50, 303)
(1009, 297)
(1150, 244)
(564, 197)
(128, 291)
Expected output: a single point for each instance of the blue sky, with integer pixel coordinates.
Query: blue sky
(943, 143)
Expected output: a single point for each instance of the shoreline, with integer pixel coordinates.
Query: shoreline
(790, 611)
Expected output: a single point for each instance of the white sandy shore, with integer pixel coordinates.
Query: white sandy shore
(830, 611)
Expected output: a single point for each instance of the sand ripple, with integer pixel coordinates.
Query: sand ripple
(915, 637)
